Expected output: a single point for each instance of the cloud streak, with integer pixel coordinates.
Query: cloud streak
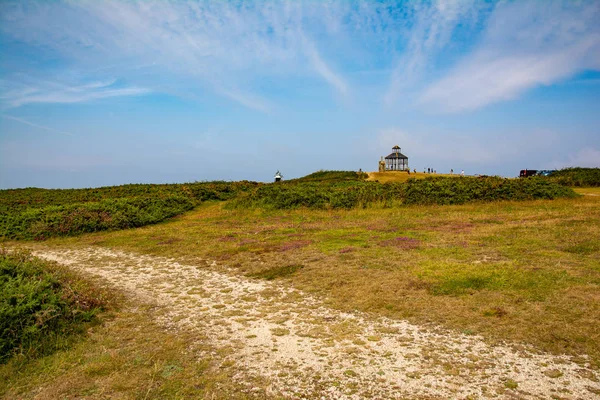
(432, 29)
(523, 47)
(218, 46)
(19, 94)
(43, 127)
(449, 56)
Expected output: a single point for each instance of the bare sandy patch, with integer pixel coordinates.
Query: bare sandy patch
(269, 332)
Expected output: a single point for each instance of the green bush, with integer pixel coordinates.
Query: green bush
(40, 308)
(13, 200)
(433, 190)
(337, 176)
(319, 195)
(459, 190)
(73, 219)
(42, 213)
(577, 177)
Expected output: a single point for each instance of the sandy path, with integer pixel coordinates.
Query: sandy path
(271, 333)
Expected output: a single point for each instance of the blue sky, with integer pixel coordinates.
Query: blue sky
(97, 93)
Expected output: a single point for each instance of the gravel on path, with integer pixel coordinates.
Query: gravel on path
(299, 348)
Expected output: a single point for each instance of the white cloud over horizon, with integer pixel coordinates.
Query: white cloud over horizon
(535, 149)
(422, 146)
(586, 157)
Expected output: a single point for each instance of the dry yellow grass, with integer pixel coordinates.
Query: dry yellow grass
(593, 191)
(523, 271)
(128, 357)
(399, 176)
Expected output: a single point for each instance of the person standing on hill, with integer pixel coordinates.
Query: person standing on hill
(451, 171)
(462, 172)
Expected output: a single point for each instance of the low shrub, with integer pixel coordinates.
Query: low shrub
(328, 176)
(432, 190)
(319, 195)
(73, 219)
(12, 200)
(459, 190)
(586, 177)
(41, 306)
(42, 213)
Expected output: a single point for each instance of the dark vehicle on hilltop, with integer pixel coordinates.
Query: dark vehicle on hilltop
(546, 172)
(526, 173)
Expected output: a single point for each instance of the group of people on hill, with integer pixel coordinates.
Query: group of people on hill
(433, 171)
(462, 172)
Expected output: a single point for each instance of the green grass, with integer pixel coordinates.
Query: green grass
(37, 214)
(524, 271)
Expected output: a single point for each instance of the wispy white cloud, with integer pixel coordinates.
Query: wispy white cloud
(218, 46)
(431, 28)
(324, 70)
(19, 93)
(475, 53)
(248, 100)
(524, 46)
(43, 127)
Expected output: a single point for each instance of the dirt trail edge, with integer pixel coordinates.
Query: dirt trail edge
(299, 348)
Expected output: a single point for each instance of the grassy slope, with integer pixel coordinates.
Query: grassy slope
(525, 271)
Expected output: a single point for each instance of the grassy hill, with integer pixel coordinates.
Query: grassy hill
(458, 253)
(38, 214)
(509, 270)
